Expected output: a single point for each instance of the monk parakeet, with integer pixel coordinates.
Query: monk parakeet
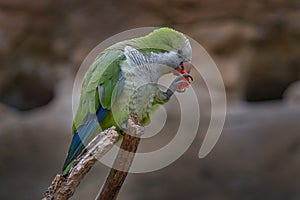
(123, 80)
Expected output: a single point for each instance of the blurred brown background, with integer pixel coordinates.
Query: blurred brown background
(256, 45)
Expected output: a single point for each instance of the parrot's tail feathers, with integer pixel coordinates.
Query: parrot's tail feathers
(75, 146)
(67, 169)
(80, 138)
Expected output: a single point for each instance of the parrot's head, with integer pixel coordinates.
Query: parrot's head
(175, 50)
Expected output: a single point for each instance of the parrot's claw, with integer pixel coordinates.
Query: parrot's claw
(186, 76)
(180, 83)
(133, 129)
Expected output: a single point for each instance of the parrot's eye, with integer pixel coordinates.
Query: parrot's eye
(179, 51)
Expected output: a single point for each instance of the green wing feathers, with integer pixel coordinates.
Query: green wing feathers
(103, 73)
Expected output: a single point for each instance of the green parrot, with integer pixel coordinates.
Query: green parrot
(123, 80)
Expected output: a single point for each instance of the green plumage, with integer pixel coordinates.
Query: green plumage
(106, 68)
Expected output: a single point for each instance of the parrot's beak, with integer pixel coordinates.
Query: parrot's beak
(183, 68)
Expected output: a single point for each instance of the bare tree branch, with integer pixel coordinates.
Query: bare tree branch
(118, 173)
(62, 187)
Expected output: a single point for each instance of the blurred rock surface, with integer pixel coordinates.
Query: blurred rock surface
(255, 44)
(292, 94)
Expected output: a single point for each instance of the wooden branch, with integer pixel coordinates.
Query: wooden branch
(122, 163)
(64, 187)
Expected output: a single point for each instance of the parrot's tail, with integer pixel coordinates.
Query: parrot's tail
(80, 138)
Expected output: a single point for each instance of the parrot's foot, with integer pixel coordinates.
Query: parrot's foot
(179, 85)
(133, 129)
